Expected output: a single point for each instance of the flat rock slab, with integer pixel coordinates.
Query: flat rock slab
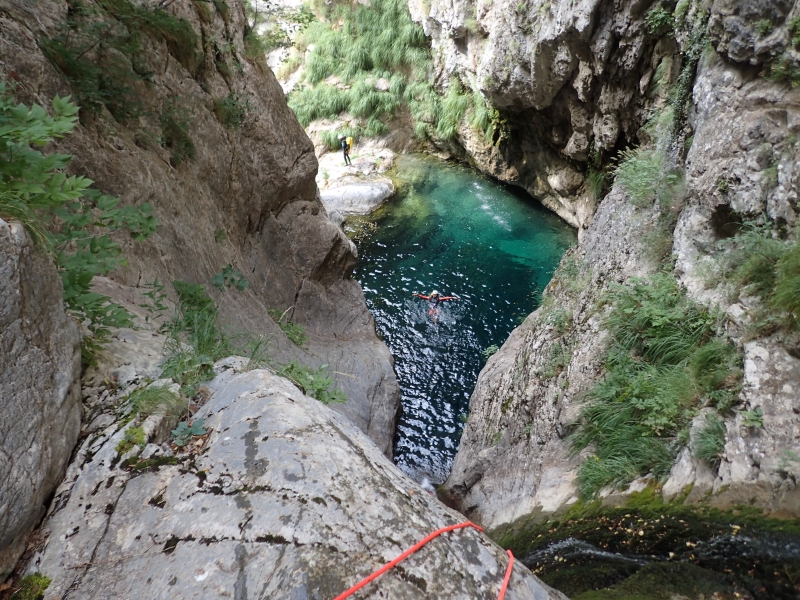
(287, 499)
(357, 198)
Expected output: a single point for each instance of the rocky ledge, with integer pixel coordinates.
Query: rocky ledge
(282, 498)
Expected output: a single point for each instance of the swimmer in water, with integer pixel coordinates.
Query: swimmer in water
(434, 300)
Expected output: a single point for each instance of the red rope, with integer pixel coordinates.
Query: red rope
(508, 575)
(411, 551)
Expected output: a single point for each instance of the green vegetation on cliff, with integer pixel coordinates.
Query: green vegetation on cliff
(65, 216)
(664, 363)
(371, 61)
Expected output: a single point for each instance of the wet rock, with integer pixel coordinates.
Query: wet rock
(40, 365)
(285, 499)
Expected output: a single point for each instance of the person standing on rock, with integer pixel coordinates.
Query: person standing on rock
(345, 149)
(434, 300)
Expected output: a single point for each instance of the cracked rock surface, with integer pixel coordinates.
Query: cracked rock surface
(286, 499)
(40, 368)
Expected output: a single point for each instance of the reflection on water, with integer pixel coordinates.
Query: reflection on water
(456, 232)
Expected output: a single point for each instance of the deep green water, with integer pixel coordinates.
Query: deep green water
(451, 230)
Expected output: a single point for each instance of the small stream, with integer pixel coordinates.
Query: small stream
(451, 230)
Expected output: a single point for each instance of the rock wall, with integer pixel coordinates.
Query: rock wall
(514, 457)
(40, 367)
(282, 499)
(568, 78)
(248, 198)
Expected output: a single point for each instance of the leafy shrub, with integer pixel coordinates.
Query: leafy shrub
(753, 418)
(36, 192)
(663, 363)
(230, 277)
(489, 351)
(154, 300)
(659, 20)
(784, 69)
(315, 383)
(644, 176)
(557, 360)
(184, 432)
(710, 440)
(794, 30)
(764, 26)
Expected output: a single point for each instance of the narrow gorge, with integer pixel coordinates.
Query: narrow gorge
(216, 382)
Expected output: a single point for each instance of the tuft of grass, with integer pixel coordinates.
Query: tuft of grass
(786, 293)
(31, 587)
(194, 339)
(710, 440)
(643, 174)
(489, 351)
(315, 383)
(557, 360)
(664, 362)
(153, 399)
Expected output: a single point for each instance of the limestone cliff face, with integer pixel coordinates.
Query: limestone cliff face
(745, 132)
(569, 78)
(283, 499)
(40, 363)
(248, 198)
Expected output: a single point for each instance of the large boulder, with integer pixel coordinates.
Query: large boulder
(40, 369)
(285, 499)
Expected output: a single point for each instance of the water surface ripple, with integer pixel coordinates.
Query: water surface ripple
(451, 230)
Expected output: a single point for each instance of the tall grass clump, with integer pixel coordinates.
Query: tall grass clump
(759, 263)
(665, 361)
(194, 341)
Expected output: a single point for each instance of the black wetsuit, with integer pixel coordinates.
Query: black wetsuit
(346, 151)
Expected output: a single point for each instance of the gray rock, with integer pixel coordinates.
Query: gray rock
(285, 500)
(357, 198)
(40, 366)
(743, 164)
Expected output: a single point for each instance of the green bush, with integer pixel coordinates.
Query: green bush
(659, 20)
(664, 362)
(764, 26)
(786, 294)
